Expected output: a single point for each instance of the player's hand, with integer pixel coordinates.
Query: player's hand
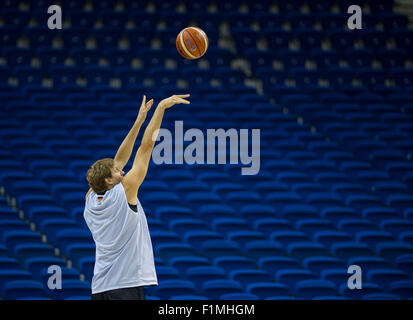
(143, 110)
(175, 99)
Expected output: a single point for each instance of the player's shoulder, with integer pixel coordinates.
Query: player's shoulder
(88, 193)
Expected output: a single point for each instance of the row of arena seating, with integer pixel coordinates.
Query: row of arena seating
(198, 6)
(335, 182)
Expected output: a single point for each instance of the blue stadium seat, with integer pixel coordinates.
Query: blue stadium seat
(265, 290)
(353, 226)
(396, 226)
(226, 225)
(258, 249)
(66, 237)
(67, 274)
(199, 275)
(238, 296)
(403, 289)
(275, 35)
(313, 288)
(76, 251)
(96, 75)
(35, 264)
(327, 238)
(392, 249)
(384, 277)
(188, 297)
(29, 186)
(323, 199)
(273, 264)
(291, 277)
(405, 263)
(196, 238)
(216, 248)
(12, 224)
(373, 238)
(247, 276)
(8, 263)
(71, 288)
(27, 250)
(165, 273)
(17, 56)
(335, 275)
(400, 202)
(335, 175)
(252, 212)
(269, 225)
(63, 74)
(7, 275)
(183, 263)
(304, 249)
(13, 238)
(229, 76)
(408, 214)
(287, 237)
(167, 213)
(174, 287)
(312, 226)
(51, 226)
(358, 294)
(162, 237)
(243, 237)
(380, 296)
(28, 75)
(377, 215)
(13, 290)
(229, 263)
(349, 249)
(335, 214)
(318, 264)
(113, 19)
(214, 289)
(86, 267)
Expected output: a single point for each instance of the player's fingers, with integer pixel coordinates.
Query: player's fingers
(149, 104)
(183, 101)
(143, 100)
(183, 95)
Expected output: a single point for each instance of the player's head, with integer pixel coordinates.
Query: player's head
(104, 175)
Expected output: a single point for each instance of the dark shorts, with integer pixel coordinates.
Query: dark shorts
(135, 293)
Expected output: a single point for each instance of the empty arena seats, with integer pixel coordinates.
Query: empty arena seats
(334, 109)
(174, 287)
(199, 275)
(315, 288)
(266, 290)
(23, 289)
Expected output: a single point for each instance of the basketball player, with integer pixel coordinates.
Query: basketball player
(124, 255)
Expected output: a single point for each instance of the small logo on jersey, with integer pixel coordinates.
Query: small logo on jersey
(100, 198)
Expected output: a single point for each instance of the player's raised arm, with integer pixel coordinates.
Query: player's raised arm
(125, 150)
(134, 178)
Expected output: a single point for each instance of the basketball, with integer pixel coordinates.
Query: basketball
(192, 43)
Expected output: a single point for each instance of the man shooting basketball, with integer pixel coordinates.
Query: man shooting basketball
(124, 256)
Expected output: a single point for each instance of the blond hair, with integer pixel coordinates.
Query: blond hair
(97, 174)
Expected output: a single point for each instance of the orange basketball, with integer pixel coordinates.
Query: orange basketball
(192, 43)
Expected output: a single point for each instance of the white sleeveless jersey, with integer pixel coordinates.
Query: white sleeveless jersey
(124, 254)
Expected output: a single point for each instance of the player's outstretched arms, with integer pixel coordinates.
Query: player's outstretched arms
(125, 150)
(134, 178)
